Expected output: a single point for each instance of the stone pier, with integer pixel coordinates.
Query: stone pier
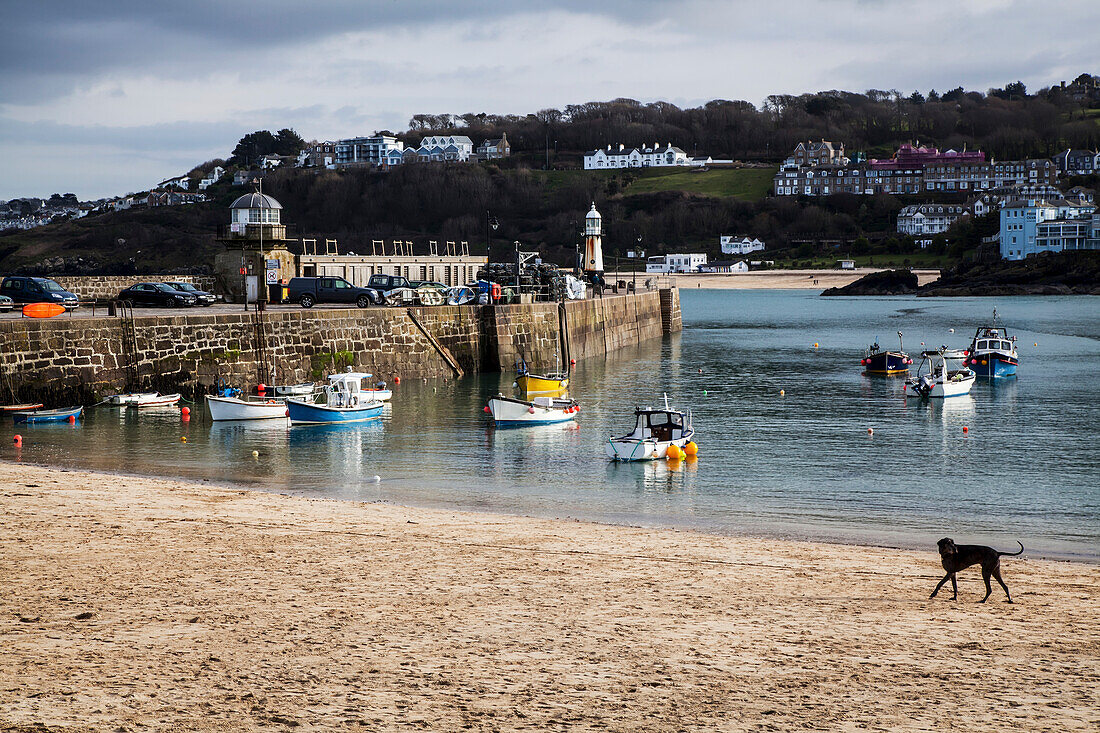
(66, 361)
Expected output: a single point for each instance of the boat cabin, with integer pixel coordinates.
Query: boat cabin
(991, 339)
(346, 390)
(659, 425)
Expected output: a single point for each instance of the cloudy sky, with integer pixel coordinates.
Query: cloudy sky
(103, 99)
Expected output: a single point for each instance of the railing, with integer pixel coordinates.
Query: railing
(246, 234)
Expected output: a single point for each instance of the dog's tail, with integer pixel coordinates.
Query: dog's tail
(1010, 554)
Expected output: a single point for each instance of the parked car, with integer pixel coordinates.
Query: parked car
(157, 294)
(307, 291)
(204, 298)
(24, 289)
(385, 283)
(6, 303)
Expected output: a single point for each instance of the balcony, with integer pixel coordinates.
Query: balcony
(249, 236)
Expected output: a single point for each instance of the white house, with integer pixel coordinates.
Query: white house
(365, 150)
(676, 263)
(731, 245)
(211, 178)
(726, 266)
(922, 219)
(454, 147)
(644, 157)
(182, 182)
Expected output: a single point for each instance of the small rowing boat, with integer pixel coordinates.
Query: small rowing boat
(234, 408)
(129, 398)
(21, 408)
(61, 415)
(155, 400)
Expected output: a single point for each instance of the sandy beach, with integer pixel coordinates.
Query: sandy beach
(148, 604)
(775, 279)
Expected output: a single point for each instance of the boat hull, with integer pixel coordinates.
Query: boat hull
(231, 408)
(993, 365)
(532, 383)
(886, 363)
(943, 390)
(304, 413)
(34, 416)
(129, 398)
(631, 449)
(514, 413)
(159, 400)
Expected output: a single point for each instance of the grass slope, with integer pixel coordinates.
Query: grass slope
(749, 184)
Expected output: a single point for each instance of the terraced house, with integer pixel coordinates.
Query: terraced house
(644, 157)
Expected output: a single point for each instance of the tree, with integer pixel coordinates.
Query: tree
(288, 142)
(916, 97)
(251, 147)
(955, 95)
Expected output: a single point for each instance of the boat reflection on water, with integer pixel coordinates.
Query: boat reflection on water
(539, 442)
(661, 476)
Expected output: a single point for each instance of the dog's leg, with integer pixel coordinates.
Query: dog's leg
(988, 589)
(940, 585)
(997, 575)
(954, 588)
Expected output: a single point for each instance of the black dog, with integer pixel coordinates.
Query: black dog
(959, 557)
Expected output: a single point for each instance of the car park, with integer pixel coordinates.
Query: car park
(204, 297)
(25, 289)
(308, 291)
(157, 294)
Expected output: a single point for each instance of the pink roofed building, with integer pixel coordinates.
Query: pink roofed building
(915, 156)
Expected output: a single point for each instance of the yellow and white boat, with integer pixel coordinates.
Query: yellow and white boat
(541, 383)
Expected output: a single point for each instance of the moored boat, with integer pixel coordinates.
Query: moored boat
(21, 408)
(234, 408)
(128, 398)
(886, 362)
(992, 352)
(155, 400)
(303, 388)
(654, 434)
(508, 411)
(345, 402)
(61, 415)
(941, 374)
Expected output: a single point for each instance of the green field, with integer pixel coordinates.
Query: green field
(749, 184)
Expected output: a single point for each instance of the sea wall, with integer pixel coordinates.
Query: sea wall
(107, 287)
(82, 359)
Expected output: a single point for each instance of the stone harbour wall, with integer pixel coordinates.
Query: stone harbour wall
(107, 287)
(80, 360)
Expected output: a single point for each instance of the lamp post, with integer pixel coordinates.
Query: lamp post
(638, 253)
(491, 225)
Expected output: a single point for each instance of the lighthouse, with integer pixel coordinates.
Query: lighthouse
(593, 248)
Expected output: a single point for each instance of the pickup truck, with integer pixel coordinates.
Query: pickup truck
(385, 283)
(328, 289)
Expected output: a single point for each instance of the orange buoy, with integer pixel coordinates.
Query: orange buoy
(691, 449)
(185, 411)
(870, 431)
(397, 380)
(71, 419)
(673, 453)
(17, 439)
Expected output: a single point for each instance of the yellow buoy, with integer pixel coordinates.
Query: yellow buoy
(183, 438)
(782, 392)
(815, 344)
(691, 449)
(673, 453)
(255, 454)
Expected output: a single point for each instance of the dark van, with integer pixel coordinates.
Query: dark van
(24, 289)
(307, 291)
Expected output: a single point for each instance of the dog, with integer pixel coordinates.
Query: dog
(959, 557)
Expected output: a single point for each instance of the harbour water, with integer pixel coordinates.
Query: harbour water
(797, 465)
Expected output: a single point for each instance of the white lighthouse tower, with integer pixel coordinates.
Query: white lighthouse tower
(593, 248)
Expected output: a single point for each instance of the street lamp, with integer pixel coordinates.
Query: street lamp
(491, 225)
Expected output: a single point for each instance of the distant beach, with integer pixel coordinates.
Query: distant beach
(142, 602)
(773, 279)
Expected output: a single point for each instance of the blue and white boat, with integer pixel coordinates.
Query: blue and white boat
(62, 415)
(510, 412)
(345, 402)
(992, 352)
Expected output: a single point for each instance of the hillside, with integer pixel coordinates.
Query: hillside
(670, 210)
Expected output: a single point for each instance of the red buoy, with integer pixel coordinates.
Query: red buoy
(186, 411)
(397, 380)
(486, 408)
(18, 439)
(71, 419)
(966, 429)
(261, 387)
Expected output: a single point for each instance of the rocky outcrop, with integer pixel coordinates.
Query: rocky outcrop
(1061, 273)
(886, 282)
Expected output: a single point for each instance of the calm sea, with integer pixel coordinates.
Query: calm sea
(797, 465)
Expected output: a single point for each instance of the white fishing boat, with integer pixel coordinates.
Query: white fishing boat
(234, 408)
(508, 411)
(154, 399)
(941, 374)
(655, 432)
(345, 402)
(128, 398)
(286, 390)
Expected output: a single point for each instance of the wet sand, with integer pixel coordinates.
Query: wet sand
(149, 604)
(774, 279)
